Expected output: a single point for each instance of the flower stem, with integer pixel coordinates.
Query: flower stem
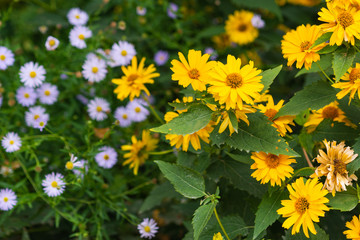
(322, 70)
(307, 158)
(162, 152)
(154, 112)
(221, 226)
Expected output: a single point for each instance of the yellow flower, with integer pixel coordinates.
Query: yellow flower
(354, 226)
(240, 29)
(217, 236)
(184, 140)
(231, 84)
(330, 111)
(281, 123)
(333, 165)
(196, 72)
(296, 46)
(271, 168)
(306, 204)
(139, 150)
(307, 3)
(343, 22)
(135, 77)
(351, 83)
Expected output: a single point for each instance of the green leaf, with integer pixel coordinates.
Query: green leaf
(343, 59)
(201, 217)
(233, 120)
(344, 201)
(266, 213)
(337, 131)
(306, 141)
(325, 63)
(328, 49)
(196, 118)
(320, 235)
(269, 5)
(259, 136)
(303, 172)
(241, 157)
(355, 165)
(180, 106)
(217, 138)
(234, 226)
(185, 180)
(314, 96)
(323, 38)
(210, 31)
(268, 77)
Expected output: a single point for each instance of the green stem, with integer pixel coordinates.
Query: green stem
(133, 189)
(154, 112)
(357, 49)
(322, 70)
(162, 152)
(221, 226)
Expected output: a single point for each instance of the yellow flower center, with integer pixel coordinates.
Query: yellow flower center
(270, 113)
(32, 74)
(147, 229)
(6, 199)
(94, 69)
(137, 109)
(242, 27)
(26, 95)
(234, 80)
(36, 116)
(194, 74)
(41, 124)
(52, 42)
(345, 19)
(301, 205)
(98, 109)
(54, 184)
(2, 57)
(132, 78)
(77, 16)
(330, 112)
(354, 74)
(124, 116)
(124, 53)
(81, 36)
(47, 93)
(305, 45)
(339, 167)
(11, 142)
(69, 165)
(106, 157)
(272, 161)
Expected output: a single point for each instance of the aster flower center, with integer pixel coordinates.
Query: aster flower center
(301, 205)
(123, 53)
(270, 113)
(11, 142)
(330, 112)
(132, 78)
(2, 57)
(98, 109)
(345, 19)
(194, 73)
(242, 27)
(54, 184)
(32, 74)
(147, 229)
(339, 167)
(305, 46)
(77, 16)
(6, 199)
(41, 124)
(234, 80)
(106, 157)
(52, 42)
(354, 74)
(36, 116)
(94, 69)
(272, 161)
(137, 109)
(124, 116)
(26, 95)
(69, 165)
(47, 93)
(81, 36)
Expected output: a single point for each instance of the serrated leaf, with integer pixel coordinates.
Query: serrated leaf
(269, 5)
(343, 59)
(266, 213)
(355, 164)
(217, 138)
(196, 118)
(325, 63)
(344, 201)
(233, 120)
(259, 136)
(320, 235)
(268, 77)
(337, 131)
(201, 217)
(186, 181)
(314, 96)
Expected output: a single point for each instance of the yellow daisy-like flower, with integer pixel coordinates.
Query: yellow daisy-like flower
(232, 84)
(351, 83)
(196, 72)
(296, 45)
(271, 168)
(344, 23)
(306, 204)
(333, 165)
(240, 29)
(184, 140)
(217, 236)
(135, 77)
(330, 111)
(281, 123)
(139, 150)
(354, 229)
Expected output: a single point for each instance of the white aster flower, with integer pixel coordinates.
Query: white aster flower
(94, 69)
(1, 100)
(35, 115)
(70, 164)
(78, 35)
(11, 142)
(137, 111)
(7, 199)
(141, 11)
(98, 109)
(6, 171)
(99, 53)
(53, 184)
(51, 43)
(122, 115)
(148, 228)
(6, 58)
(257, 22)
(77, 17)
(122, 53)
(40, 123)
(26, 96)
(32, 74)
(107, 157)
(80, 167)
(47, 93)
